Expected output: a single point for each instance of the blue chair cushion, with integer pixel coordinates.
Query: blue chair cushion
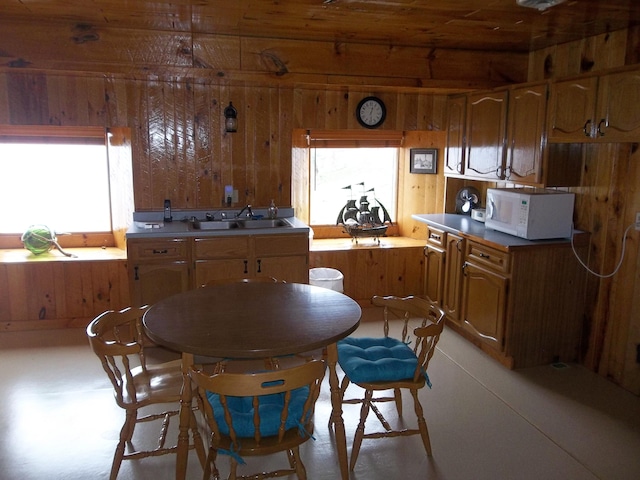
(270, 410)
(376, 359)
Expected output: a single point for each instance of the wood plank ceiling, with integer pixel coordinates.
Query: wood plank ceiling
(446, 45)
(497, 25)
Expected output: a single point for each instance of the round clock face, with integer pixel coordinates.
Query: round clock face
(371, 112)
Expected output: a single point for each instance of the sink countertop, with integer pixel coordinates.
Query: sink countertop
(466, 226)
(151, 224)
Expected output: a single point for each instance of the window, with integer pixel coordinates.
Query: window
(61, 184)
(347, 165)
(342, 174)
(75, 180)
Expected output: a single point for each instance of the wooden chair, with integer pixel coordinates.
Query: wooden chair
(117, 339)
(387, 363)
(251, 414)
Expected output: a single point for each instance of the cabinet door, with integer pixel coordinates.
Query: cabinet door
(292, 269)
(525, 135)
(452, 290)
(454, 159)
(486, 120)
(618, 114)
(434, 260)
(571, 110)
(151, 282)
(484, 305)
(285, 257)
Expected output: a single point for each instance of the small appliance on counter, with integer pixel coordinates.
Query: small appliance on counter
(530, 213)
(467, 199)
(479, 214)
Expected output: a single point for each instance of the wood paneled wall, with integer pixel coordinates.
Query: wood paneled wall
(606, 203)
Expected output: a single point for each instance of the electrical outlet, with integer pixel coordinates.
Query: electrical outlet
(637, 220)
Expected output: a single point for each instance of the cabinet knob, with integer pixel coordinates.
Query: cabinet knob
(259, 266)
(135, 273)
(246, 265)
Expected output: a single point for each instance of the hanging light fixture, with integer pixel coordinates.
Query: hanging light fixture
(540, 5)
(230, 119)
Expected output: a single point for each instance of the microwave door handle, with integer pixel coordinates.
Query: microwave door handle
(490, 209)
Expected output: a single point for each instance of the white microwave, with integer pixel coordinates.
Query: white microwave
(531, 213)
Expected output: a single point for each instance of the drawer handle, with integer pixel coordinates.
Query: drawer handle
(160, 252)
(246, 264)
(458, 245)
(135, 273)
(434, 236)
(259, 266)
(587, 128)
(484, 255)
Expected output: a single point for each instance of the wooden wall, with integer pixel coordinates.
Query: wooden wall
(606, 203)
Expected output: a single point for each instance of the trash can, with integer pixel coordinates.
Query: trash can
(327, 278)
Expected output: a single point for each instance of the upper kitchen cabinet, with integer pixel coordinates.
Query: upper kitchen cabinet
(595, 109)
(485, 135)
(618, 114)
(571, 110)
(526, 134)
(454, 158)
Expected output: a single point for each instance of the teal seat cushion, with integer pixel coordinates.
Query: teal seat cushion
(376, 359)
(270, 409)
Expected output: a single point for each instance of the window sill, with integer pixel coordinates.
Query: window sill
(336, 244)
(22, 255)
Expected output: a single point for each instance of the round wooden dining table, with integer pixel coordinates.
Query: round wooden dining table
(254, 320)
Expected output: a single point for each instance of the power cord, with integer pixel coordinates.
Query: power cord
(624, 244)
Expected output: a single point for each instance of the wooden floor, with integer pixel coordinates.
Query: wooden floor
(59, 421)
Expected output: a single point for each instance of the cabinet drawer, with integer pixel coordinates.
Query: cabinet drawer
(278, 245)
(436, 236)
(222, 247)
(487, 256)
(158, 249)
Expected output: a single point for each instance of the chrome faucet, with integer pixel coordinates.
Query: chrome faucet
(249, 212)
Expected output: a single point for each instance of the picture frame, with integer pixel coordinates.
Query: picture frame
(423, 160)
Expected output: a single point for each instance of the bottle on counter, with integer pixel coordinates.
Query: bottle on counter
(272, 211)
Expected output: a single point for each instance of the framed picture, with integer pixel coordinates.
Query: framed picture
(423, 160)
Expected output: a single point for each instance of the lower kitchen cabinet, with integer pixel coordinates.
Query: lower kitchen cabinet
(451, 292)
(521, 305)
(159, 268)
(484, 294)
(285, 257)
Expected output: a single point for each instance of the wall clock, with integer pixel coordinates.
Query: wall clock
(371, 112)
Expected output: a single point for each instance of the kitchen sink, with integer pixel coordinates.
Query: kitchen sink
(263, 223)
(239, 223)
(214, 225)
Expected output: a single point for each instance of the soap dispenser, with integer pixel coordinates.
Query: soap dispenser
(272, 212)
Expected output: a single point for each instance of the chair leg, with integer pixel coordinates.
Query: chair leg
(197, 439)
(343, 387)
(357, 439)
(296, 463)
(126, 433)
(422, 424)
(398, 396)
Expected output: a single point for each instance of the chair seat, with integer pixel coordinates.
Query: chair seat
(376, 359)
(270, 411)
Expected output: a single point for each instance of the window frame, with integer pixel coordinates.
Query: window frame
(108, 138)
(335, 139)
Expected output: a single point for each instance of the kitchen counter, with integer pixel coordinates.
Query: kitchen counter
(465, 226)
(151, 225)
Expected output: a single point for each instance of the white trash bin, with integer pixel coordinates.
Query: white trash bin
(327, 278)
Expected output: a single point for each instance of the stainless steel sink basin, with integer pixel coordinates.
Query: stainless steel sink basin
(214, 225)
(264, 223)
(239, 223)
